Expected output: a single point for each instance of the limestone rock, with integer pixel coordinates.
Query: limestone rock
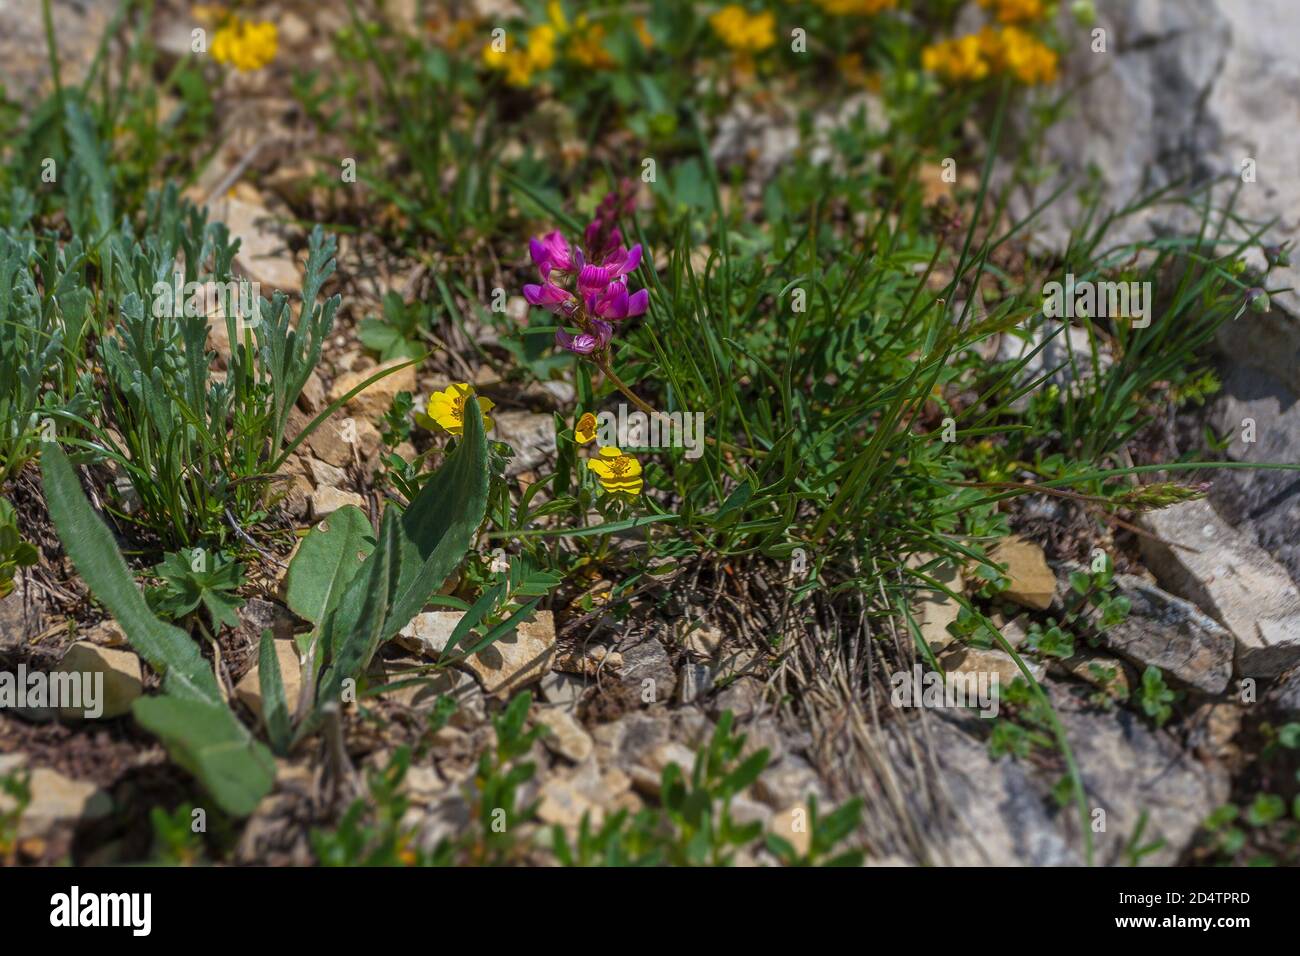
(374, 401)
(1173, 635)
(1033, 584)
(56, 801)
(518, 659)
(326, 500)
(566, 736)
(1232, 579)
(122, 678)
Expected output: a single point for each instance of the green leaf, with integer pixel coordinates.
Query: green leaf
(327, 561)
(354, 631)
(209, 742)
(275, 710)
(439, 526)
(168, 650)
(198, 729)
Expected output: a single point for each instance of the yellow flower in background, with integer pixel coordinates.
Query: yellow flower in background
(555, 13)
(862, 8)
(245, 45)
(616, 471)
(447, 408)
(959, 59)
(975, 56)
(1014, 11)
(519, 65)
(585, 430)
(587, 45)
(643, 33)
(1027, 58)
(742, 30)
(541, 47)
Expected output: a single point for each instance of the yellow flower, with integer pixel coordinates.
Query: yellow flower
(585, 430)
(245, 45)
(587, 45)
(863, 8)
(616, 471)
(1027, 58)
(975, 56)
(1014, 11)
(958, 59)
(555, 13)
(447, 408)
(742, 30)
(541, 47)
(519, 65)
(643, 32)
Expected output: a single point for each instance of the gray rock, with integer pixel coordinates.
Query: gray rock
(644, 658)
(694, 681)
(1264, 503)
(1001, 812)
(1128, 769)
(1232, 579)
(1286, 695)
(19, 618)
(1173, 635)
(1207, 82)
(530, 434)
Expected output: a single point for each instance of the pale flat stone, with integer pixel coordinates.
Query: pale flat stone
(122, 681)
(1230, 578)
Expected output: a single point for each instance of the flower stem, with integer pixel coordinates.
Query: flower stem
(602, 363)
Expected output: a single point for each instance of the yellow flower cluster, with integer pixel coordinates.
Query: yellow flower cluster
(1025, 57)
(978, 55)
(960, 59)
(587, 45)
(744, 31)
(861, 8)
(1014, 11)
(245, 45)
(520, 65)
(584, 44)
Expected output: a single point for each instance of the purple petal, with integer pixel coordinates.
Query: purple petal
(638, 303)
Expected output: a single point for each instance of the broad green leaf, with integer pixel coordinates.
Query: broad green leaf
(326, 562)
(167, 649)
(356, 628)
(209, 742)
(198, 729)
(439, 526)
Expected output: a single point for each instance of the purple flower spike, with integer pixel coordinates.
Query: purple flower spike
(584, 343)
